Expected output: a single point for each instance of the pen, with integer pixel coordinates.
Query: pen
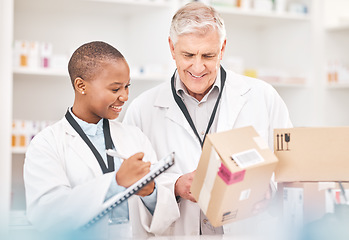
(114, 153)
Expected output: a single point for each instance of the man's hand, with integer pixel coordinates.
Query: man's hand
(182, 186)
(131, 170)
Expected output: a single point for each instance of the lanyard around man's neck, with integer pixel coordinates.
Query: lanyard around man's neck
(107, 139)
(184, 109)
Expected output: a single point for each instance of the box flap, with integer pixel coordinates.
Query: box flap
(244, 143)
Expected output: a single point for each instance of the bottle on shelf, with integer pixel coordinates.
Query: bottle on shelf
(21, 53)
(46, 53)
(19, 138)
(33, 54)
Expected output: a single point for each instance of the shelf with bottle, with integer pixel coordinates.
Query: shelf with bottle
(265, 9)
(337, 75)
(286, 84)
(335, 85)
(64, 73)
(124, 7)
(289, 85)
(23, 131)
(41, 71)
(18, 150)
(263, 14)
(37, 58)
(279, 78)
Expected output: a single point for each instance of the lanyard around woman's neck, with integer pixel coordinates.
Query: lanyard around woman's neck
(107, 139)
(184, 109)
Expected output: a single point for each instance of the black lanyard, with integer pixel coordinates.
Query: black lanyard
(184, 109)
(107, 139)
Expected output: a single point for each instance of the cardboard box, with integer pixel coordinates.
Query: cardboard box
(233, 174)
(312, 154)
(300, 203)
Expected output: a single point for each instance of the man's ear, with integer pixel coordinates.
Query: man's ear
(223, 48)
(171, 47)
(79, 85)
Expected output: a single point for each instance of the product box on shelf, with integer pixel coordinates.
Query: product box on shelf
(233, 174)
(312, 154)
(300, 203)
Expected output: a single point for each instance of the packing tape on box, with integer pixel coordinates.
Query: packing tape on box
(211, 173)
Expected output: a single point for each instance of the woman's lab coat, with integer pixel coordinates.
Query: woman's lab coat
(245, 101)
(65, 186)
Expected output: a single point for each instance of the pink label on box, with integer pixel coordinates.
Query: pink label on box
(229, 177)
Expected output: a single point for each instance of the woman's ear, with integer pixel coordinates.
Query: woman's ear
(80, 86)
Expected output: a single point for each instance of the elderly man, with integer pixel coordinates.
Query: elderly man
(201, 97)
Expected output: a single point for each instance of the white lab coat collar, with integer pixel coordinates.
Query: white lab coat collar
(234, 101)
(179, 86)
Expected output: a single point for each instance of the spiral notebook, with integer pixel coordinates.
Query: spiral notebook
(116, 200)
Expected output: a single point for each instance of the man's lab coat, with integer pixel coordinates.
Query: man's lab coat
(65, 186)
(245, 101)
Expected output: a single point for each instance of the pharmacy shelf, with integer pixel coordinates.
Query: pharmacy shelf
(338, 85)
(121, 7)
(40, 71)
(289, 85)
(262, 14)
(63, 73)
(252, 18)
(156, 3)
(19, 150)
(337, 28)
(287, 82)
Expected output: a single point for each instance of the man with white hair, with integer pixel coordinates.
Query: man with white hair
(202, 97)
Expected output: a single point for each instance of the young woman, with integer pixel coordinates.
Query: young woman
(68, 175)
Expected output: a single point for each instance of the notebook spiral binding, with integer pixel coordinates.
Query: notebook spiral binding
(132, 191)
